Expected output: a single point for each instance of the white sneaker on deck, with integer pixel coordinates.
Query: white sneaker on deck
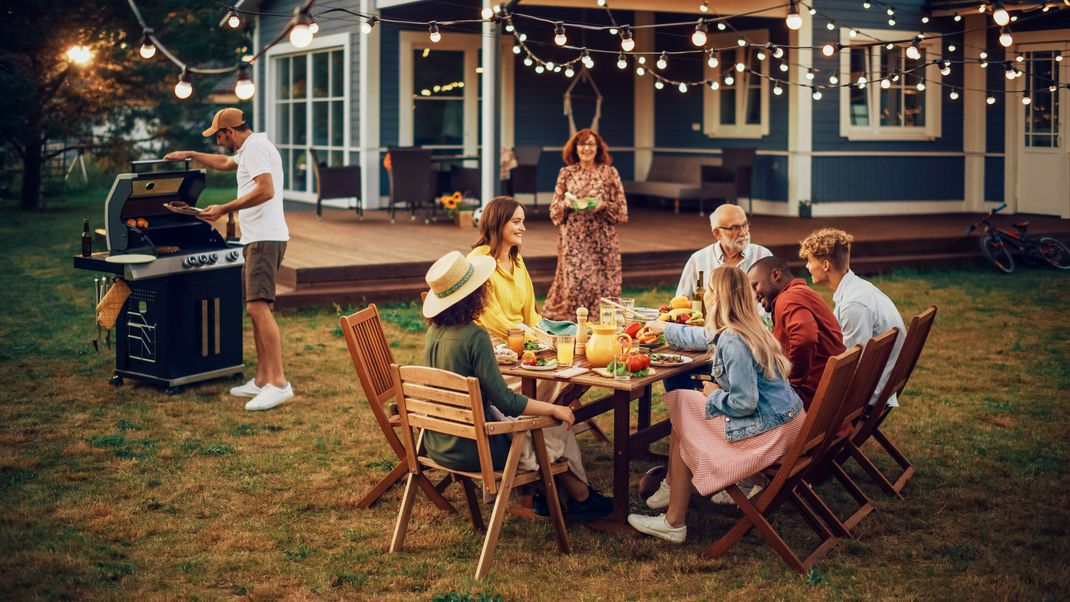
(660, 499)
(658, 526)
(722, 497)
(249, 389)
(269, 397)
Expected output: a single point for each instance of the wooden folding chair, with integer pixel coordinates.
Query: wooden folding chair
(372, 358)
(863, 383)
(443, 402)
(819, 424)
(869, 425)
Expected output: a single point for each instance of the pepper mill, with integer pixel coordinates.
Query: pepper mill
(581, 331)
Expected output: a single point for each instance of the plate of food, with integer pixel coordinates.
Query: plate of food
(669, 359)
(578, 204)
(535, 346)
(530, 361)
(506, 356)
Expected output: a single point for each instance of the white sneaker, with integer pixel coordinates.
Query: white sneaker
(660, 499)
(658, 526)
(249, 389)
(269, 397)
(722, 497)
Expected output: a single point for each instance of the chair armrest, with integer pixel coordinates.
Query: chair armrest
(523, 423)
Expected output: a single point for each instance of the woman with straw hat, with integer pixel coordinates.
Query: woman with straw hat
(456, 343)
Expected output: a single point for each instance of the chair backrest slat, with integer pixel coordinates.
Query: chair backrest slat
(917, 334)
(371, 357)
(438, 410)
(434, 377)
(868, 373)
(447, 427)
(431, 393)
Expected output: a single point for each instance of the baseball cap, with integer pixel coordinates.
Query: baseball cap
(225, 118)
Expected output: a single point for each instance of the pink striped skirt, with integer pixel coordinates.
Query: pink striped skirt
(714, 462)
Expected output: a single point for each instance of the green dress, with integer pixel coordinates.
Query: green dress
(467, 350)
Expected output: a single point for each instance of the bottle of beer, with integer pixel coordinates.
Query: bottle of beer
(230, 226)
(697, 305)
(87, 239)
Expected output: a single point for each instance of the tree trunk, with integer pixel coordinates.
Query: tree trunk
(32, 165)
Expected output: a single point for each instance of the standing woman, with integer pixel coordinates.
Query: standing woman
(588, 248)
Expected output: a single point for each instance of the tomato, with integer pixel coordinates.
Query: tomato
(646, 360)
(634, 363)
(633, 329)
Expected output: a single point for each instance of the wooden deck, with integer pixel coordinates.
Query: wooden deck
(346, 261)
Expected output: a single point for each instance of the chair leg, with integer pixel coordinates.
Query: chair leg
(871, 469)
(823, 511)
(490, 543)
(552, 500)
(900, 459)
(865, 504)
(319, 208)
(765, 528)
(398, 541)
(473, 503)
(383, 485)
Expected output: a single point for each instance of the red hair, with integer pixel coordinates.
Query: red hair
(572, 157)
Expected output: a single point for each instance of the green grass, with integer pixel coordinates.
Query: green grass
(130, 493)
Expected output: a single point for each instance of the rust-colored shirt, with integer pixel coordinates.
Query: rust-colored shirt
(808, 333)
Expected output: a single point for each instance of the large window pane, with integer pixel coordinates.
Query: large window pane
(320, 74)
(338, 123)
(282, 123)
(285, 153)
(753, 82)
(859, 98)
(338, 73)
(438, 72)
(299, 170)
(914, 99)
(438, 122)
(300, 71)
(728, 105)
(300, 124)
(282, 87)
(320, 123)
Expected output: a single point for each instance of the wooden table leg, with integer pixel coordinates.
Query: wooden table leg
(644, 407)
(621, 454)
(528, 387)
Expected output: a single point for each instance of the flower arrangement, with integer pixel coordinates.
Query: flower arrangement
(459, 208)
(451, 202)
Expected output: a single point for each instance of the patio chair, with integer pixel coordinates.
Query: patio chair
(372, 358)
(443, 402)
(741, 162)
(820, 423)
(867, 375)
(869, 426)
(524, 178)
(412, 181)
(338, 182)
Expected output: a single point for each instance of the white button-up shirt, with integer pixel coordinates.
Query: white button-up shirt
(864, 312)
(710, 258)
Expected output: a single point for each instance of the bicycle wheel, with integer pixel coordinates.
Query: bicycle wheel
(996, 252)
(1054, 252)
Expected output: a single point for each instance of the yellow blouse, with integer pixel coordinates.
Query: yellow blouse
(511, 299)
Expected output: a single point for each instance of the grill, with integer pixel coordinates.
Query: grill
(182, 322)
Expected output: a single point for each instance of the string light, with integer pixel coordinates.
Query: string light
(740, 67)
(991, 100)
(834, 79)
(663, 61)
(926, 16)
(559, 34)
(861, 83)
(586, 59)
(715, 85)
(777, 90)
(658, 84)
(528, 62)
(516, 48)
(867, 5)
(921, 86)
(1005, 38)
(830, 49)
(713, 61)
(540, 69)
(682, 88)
(1019, 58)
(886, 83)
(853, 33)
(622, 63)
(793, 20)
(778, 52)
(810, 74)
(951, 48)
(983, 55)
(243, 86)
(148, 49)
(183, 88)
(366, 26)
(784, 67)
(550, 65)
(300, 34)
(1001, 16)
(698, 38)
(816, 94)
(891, 21)
(704, 7)
(1026, 100)
(627, 44)
(958, 17)
(602, 3)
(313, 26)
(729, 79)
(831, 26)
(891, 11)
(1052, 88)
(640, 71)
(434, 33)
(233, 22)
(721, 26)
(487, 13)
(982, 7)
(760, 55)
(954, 94)
(946, 69)
(914, 50)
(1010, 73)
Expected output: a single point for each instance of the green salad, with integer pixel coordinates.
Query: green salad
(616, 368)
(533, 346)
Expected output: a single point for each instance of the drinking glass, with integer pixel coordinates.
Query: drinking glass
(566, 350)
(629, 306)
(621, 358)
(516, 341)
(605, 313)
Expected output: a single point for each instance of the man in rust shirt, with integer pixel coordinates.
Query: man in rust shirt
(802, 322)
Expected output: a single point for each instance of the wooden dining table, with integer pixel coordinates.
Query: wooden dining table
(626, 444)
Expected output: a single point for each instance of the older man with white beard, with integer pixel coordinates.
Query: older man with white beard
(731, 231)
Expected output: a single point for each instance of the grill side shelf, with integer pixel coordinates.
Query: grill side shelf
(96, 263)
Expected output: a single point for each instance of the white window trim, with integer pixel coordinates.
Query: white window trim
(470, 44)
(324, 42)
(875, 131)
(711, 119)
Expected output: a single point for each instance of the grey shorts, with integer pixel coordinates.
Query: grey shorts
(260, 272)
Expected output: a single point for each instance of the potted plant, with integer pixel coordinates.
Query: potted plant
(805, 209)
(459, 208)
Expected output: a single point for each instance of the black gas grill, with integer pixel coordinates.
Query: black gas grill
(182, 322)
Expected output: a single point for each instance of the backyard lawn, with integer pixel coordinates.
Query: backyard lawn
(130, 493)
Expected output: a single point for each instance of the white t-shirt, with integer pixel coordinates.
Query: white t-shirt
(864, 312)
(265, 221)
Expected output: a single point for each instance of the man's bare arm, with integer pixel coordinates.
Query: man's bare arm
(262, 193)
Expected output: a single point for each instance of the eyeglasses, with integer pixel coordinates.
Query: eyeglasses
(737, 228)
(590, 144)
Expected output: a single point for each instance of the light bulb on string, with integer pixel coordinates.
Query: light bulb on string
(1000, 15)
(793, 20)
(682, 87)
(627, 44)
(244, 88)
(954, 94)
(1010, 72)
(367, 26)
(715, 85)
(729, 80)
(861, 83)
(951, 48)
(741, 43)
(523, 37)
(641, 60)
(300, 34)
(313, 26)
(528, 62)
(816, 94)
(784, 67)
(434, 33)
(830, 49)
(778, 52)
(891, 11)
(925, 17)
(148, 49)
(1026, 100)
(613, 31)
(777, 90)
(516, 49)
(867, 5)
(853, 33)
(1052, 88)
(487, 13)
(509, 27)
(640, 71)
(834, 79)
(991, 100)
(663, 61)
(587, 60)
(559, 34)
(812, 11)
(1058, 58)
(760, 55)
(984, 64)
(721, 26)
(713, 61)
(740, 67)
(891, 21)
(704, 7)
(914, 50)
(983, 55)
(886, 83)
(921, 86)
(1019, 58)
(698, 38)
(557, 69)
(957, 17)
(233, 22)
(1005, 37)
(831, 26)
(982, 8)
(945, 70)
(602, 3)
(895, 76)
(658, 84)
(890, 46)
(810, 74)
(183, 88)
(622, 62)
(540, 69)
(550, 65)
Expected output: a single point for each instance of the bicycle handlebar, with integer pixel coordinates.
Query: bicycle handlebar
(998, 209)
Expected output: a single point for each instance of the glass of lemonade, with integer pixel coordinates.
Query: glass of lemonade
(516, 341)
(566, 349)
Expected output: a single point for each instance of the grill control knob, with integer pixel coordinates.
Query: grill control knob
(213, 258)
(203, 260)
(232, 256)
(189, 262)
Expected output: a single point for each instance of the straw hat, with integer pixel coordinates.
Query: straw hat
(452, 278)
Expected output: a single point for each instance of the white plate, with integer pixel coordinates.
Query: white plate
(550, 365)
(687, 360)
(130, 258)
(540, 348)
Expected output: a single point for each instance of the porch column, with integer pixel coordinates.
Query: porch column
(800, 115)
(368, 106)
(973, 115)
(643, 107)
(488, 164)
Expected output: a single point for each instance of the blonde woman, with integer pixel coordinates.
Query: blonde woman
(738, 425)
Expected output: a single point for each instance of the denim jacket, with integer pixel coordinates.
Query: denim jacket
(750, 403)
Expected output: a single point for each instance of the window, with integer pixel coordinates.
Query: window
(739, 107)
(439, 91)
(1041, 114)
(309, 110)
(906, 107)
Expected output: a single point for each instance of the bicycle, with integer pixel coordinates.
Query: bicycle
(996, 244)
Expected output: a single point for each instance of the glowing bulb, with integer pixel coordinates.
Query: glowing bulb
(953, 95)
(587, 61)
(183, 88)
(891, 21)
(79, 55)
(715, 85)
(793, 20)
(778, 52)
(148, 49)
(721, 26)
(712, 62)
(698, 38)
(853, 33)
(659, 85)
(559, 34)
(569, 72)
(244, 87)
(640, 71)
(891, 11)
(300, 33)
(487, 13)
(1001, 16)
(983, 55)
(1019, 59)
(434, 33)
(527, 61)
(886, 83)
(663, 61)
(1052, 88)
(622, 63)
(704, 7)
(233, 22)
(1026, 100)
(740, 67)
(777, 90)
(921, 86)
(958, 17)
(784, 67)
(1005, 38)
(913, 51)
(867, 5)
(314, 27)
(602, 3)
(991, 100)
(828, 50)
(945, 71)
(861, 81)
(810, 74)
(951, 48)
(613, 31)
(550, 65)
(540, 69)
(833, 79)
(729, 80)
(760, 55)
(516, 49)
(366, 26)
(682, 87)
(627, 44)
(830, 26)
(817, 94)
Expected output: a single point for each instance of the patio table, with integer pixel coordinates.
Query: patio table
(625, 443)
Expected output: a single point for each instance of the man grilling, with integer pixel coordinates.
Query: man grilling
(258, 167)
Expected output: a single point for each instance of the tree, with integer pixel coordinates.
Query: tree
(45, 96)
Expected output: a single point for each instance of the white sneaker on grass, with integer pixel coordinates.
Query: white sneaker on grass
(722, 497)
(249, 389)
(657, 526)
(269, 397)
(660, 499)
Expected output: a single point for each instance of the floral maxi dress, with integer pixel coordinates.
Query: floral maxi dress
(588, 248)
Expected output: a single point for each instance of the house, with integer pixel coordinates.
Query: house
(940, 136)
